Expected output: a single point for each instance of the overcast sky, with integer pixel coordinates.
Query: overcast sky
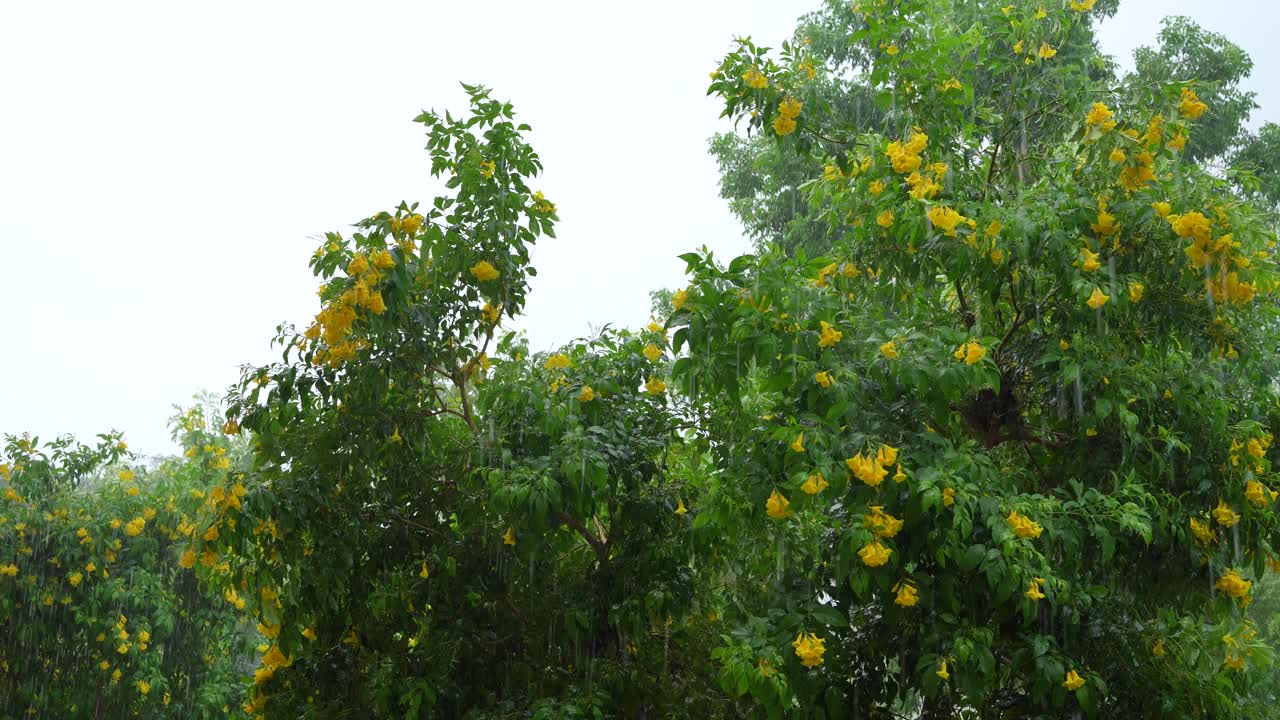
(166, 168)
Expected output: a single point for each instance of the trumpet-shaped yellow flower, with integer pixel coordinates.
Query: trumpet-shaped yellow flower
(829, 335)
(1073, 681)
(942, 671)
(824, 379)
(814, 484)
(776, 506)
(948, 496)
(1089, 260)
(809, 648)
(1191, 105)
(1225, 515)
(1023, 526)
(874, 554)
(655, 386)
(680, 508)
(907, 595)
(509, 537)
(1098, 299)
(797, 445)
(1035, 590)
(889, 350)
(484, 271)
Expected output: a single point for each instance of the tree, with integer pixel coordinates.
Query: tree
(1013, 428)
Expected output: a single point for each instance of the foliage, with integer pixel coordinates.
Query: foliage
(1062, 376)
(98, 617)
(982, 429)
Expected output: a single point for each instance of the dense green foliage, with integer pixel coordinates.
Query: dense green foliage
(982, 429)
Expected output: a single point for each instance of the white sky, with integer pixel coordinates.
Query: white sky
(166, 168)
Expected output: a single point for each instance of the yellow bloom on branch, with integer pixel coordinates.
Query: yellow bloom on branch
(971, 353)
(1023, 526)
(1073, 681)
(874, 554)
(1191, 105)
(885, 219)
(484, 271)
(945, 219)
(1225, 515)
(907, 595)
(1046, 51)
(1035, 590)
(809, 648)
(797, 445)
(889, 350)
(814, 484)
(1098, 299)
(776, 506)
(829, 335)
(655, 386)
(1135, 291)
(824, 379)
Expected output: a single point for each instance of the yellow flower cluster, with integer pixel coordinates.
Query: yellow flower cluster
(1231, 583)
(1023, 526)
(1203, 531)
(874, 554)
(905, 156)
(1073, 681)
(755, 79)
(788, 110)
(945, 219)
(1100, 116)
(873, 469)
(809, 648)
(1191, 105)
(881, 524)
(814, 484)
(1225, 515)
(971, 353)
(828, 335)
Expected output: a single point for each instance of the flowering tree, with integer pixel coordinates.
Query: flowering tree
(97, 616)
(1008, 441)
(990, 438)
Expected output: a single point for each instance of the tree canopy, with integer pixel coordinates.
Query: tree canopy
(981, 429)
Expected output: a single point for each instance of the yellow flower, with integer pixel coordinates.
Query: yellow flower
(952, 84)
(1234, 661)
(907, 595)
(1023, 526)
(997, 256)
(824, 379)
(1135, 291)
(809, 648)
(1081, 5)
(948, 496)
(971, 352)
(1073, 681)
(814, 484)
(1178, 142)
(655, 386)
(829, 335)
(1090, 260)
(885, 219)
(1162, 208)
(652, 352)
(679, 299)
(135, 526)
(509, 537)
(144, 687)
(1099, 115)
(486, 168)
(866, 469)
(881, 523)
(783, 125)
(680, 508)
(1097, 299)
(1203, 532)
(1017, 48)
(75, 579)
(1225, 515)
(1046, 51)
(1191, 105)
(942, 671)
(1231, 583)
(899, 476)
(876, 187)
(115, 675)
(874, 554)
(945, 219)
(889, 350)
(484, 271)
(587, 394)
(776, 506)
(1034, 590)
(790, 108)
(309, 634)
(755, 79)
(892, 49)
(558, 361)
(798, 444)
